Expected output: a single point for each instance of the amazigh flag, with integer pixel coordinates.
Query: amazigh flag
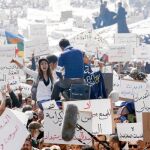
(16, 39)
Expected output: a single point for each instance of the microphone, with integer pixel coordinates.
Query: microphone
(69, 122)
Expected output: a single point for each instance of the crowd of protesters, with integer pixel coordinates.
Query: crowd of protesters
(49, 74)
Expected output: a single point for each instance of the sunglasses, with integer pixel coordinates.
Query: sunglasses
(133, 146)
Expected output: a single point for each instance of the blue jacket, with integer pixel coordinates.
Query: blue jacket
(71, 61)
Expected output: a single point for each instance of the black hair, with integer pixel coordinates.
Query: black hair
(8, 102)
(87, 147)
(64, 43)
(52, 59)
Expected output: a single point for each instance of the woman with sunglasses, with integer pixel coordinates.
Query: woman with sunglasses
(43, 78)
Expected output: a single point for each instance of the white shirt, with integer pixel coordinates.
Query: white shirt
(43, 92)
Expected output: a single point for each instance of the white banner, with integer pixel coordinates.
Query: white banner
(7, 52)
(12, 131)
(130, 131)
(126, 39)
(52, 127)
(142, 103)
(102, 114)
(38, 46)
(37, 30)
(129, 89)
(142, 52)
(119, 53)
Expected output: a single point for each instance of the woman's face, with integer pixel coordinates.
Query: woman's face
(44, 66)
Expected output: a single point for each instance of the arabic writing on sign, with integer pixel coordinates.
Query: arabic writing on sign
(130, 131)
(101, 114)
(57, 117)
(130, 89)
(131, 136)
(53, 122)
(142, 104)
(5, 121)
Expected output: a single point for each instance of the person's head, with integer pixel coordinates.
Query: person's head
(85, 58)
(44, 68)
(96, 144)
(114, 142)
(75, 147)
(40, 114)
(64, 43)
(29, 81)
(133, 145)
(27, 145)
(43, 65)
(27, 108)
(28, 100)
(119, 4)
(87, 147)
(105, 3)
(55, 147)
(52, 60)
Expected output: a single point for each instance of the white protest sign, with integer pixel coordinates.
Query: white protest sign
(13, 82)
(51, 104)
(81, 39)
(116, 83)
(2, 81)
(26, 89)
(101, 111)
(38, 46)
(119, 53)
(130, 131)
(126, 39)
(142, 52)
(7, 52)
(10, 70)
(21, 116)
(61, 5)
(36, 30)
(12, 131)
(52, 127)
(128, 89)
(142, 103)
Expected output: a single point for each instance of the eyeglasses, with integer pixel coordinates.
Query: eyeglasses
(134, 146)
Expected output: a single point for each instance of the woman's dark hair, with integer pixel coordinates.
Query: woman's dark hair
(64, 43)
(49, 73)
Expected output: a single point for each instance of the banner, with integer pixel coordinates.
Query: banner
(130, 131)
(52, 127)
(119, 53)
(142, 104)
(101, 111)
(129, 89)
(13, 132)
(126, 39)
